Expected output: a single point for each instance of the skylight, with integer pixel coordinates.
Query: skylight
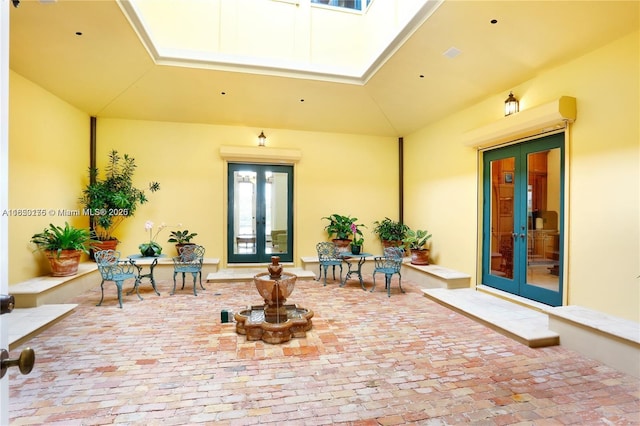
(313, 39)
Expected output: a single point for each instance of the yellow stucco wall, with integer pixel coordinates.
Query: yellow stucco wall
(604, 177)
(356, 175)
(48, 156)
(185, 159)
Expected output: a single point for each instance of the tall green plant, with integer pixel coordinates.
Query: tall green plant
(110, 200)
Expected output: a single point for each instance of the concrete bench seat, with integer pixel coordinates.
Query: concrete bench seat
(435, 276)
(43, 290)
(612, 340)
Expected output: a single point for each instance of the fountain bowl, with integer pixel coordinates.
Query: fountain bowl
(275, 291)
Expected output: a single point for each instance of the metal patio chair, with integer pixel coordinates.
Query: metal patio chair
(113, 269)
(328, 256)
(389, 264)
(189, 261)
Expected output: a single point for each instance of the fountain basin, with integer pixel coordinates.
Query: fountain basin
(275, 321)
(252, 323)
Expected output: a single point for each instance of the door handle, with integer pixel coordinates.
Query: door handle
(7, 303)
(24, 362)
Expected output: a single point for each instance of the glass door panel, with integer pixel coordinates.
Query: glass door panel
(244, 212)
(277, 214)
(502, 215)
(501, 221)
(259, 213)
(544, 222)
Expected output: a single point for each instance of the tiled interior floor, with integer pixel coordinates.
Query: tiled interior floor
(369, 360)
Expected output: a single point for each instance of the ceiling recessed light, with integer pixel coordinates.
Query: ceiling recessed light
(223, 93)
(301, 100)
(421, 75)
(452, 52)
(494, 21)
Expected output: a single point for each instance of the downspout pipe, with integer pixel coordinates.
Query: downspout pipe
(92, 148)
(92, 162)
(401, 180)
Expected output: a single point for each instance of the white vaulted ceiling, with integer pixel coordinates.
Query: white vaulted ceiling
(109, 72)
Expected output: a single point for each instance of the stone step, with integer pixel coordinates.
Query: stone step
(525, 325)
(247, 274)
(27, 322)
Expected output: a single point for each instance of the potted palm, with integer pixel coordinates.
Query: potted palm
(417, 242)
(63, 247)
(112, 199)
(339, 230)
(390, 232)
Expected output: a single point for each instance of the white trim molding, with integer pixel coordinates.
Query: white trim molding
(534, 121)
(260, 154)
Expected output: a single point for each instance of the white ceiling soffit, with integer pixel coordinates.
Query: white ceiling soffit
(530, 122)
(253, 65)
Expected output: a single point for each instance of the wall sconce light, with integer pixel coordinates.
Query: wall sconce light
(511, 105)
(262, 139)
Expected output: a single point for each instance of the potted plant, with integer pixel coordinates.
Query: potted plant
(63, 247)
(358, 240)
(339, 229)
(181, 238)
(390, 232)
(151, 248)
(417, 241)
(110, 200)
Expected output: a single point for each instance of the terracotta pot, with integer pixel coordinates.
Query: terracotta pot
(391, 243)
(103, 245)
(65, 263)
(420, 256)
(343, 246)
(180, 245)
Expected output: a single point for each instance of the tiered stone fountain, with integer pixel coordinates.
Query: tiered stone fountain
(275, 321)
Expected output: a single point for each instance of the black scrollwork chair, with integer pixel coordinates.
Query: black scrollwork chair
(389, 264)
(189, 261)
(328, 256)
(113, 269)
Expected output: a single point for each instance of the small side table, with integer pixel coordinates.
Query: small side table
(140, 262)
(358, 270)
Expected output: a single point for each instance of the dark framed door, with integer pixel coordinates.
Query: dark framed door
(259, 213)
(523, 187)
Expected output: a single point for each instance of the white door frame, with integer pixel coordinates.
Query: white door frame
(4, 190)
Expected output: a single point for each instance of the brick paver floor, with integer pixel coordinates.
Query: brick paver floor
(369, 360)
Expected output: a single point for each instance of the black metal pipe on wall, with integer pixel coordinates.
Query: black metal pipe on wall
(401, 180)
(92, 148)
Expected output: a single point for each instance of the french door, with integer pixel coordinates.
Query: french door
(523, 226)
(259, 213)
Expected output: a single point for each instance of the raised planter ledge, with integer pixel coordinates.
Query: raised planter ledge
(612, 340)
(425, 276)
(46, 290)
